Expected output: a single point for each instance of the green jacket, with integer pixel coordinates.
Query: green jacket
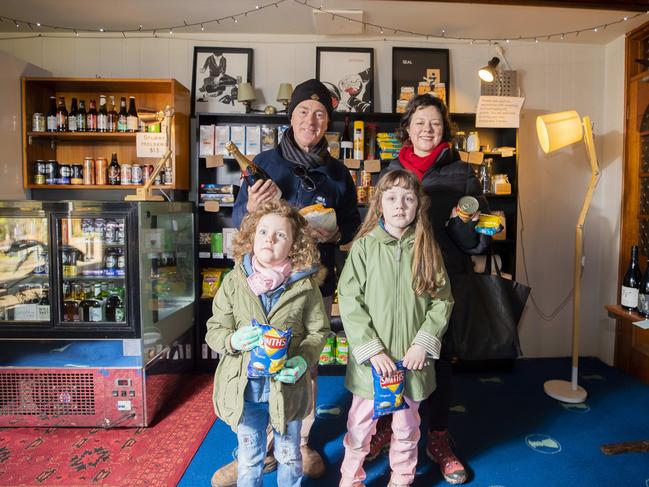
(381, 312)
(235, 305)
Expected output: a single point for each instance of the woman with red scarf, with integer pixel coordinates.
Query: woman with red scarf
(427, 152)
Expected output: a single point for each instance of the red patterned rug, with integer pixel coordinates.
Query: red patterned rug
(121, 457)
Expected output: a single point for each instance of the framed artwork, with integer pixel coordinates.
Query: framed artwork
(215, 78)
(348, 72)
(416, 71)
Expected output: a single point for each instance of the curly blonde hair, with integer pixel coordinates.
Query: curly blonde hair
(304, 252)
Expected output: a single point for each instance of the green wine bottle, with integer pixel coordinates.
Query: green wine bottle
(251, 172)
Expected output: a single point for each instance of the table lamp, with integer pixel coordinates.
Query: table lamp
(555, 131)
(145, 193)
(246, 95)
(284, 95)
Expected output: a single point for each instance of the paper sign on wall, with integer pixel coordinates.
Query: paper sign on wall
(151, 144)
(499, 111)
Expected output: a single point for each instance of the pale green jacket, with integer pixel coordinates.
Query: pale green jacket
(381, 312)
(299, 307)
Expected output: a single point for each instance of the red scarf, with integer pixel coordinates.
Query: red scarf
(417, 164)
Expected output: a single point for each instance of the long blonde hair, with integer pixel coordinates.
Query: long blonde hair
(304, 252)
(427, 264)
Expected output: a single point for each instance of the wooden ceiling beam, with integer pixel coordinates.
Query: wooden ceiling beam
(624, 5)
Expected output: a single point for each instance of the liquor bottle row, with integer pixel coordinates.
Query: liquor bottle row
(97, 171)
(106, 119)
(96, 302)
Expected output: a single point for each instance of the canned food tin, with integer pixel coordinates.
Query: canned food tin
(43, 263)
(110, 231)
(101, 166)
(64, 173)
(370, 193)
(361, 194)
(38, 122)
(87, 227)
(39, 172)
(76, 175)
(88, 170)
(159, 177)
(100, 228)
(136, 174)
(146, 172)
(110, 262)
(366, 178)
(51, 171)
(119, 236)
(125, 173)
(466, 207)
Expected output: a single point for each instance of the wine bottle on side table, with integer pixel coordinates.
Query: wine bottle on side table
(631, 282)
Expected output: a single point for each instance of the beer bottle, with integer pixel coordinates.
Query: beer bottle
(132, 120)
(91, 117)
(122, 116)
(112, 115)
(51, 115)
(250, 171)
(61, 116)
(102, 115)
(115, 305)
(73, 116)
(81, 117)
(114, 174)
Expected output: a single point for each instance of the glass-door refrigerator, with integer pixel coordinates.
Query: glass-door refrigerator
(96, 310)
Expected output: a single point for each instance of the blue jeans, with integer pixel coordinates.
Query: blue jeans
(251, 434)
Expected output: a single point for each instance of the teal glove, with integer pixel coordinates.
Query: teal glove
(294, 368)
(246, 338)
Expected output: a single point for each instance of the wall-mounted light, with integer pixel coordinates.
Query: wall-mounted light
(488, 73)
(246, 95)
(284, 95)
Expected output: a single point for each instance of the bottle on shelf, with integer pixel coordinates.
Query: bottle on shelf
(71, 293)
(122, 116)
(112, 115)
(346, 144)
(115, 305)
(114, 172)
(90, 307)
(44, 304)
(61, 115)
(643, 294)
(359, 140)
(73, 116)
(631, 282)
(51, 115)
(132, 121)
(251, 172)
(486, 174)
(102, 115)
(82, 126)
(91, 117)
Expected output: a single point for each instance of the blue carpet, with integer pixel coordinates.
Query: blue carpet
(506, 429)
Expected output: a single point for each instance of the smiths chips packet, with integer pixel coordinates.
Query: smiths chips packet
(388, 392)
(269, 357)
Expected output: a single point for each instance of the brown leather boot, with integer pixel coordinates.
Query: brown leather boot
(226, 476)
(312, 464)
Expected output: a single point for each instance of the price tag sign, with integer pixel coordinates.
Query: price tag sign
(499, 111)
(151, 144)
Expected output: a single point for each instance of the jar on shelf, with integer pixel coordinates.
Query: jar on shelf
(459, 141)
(473, 142)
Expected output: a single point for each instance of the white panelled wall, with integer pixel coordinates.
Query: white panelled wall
(553, 77)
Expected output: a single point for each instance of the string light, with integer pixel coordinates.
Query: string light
(305, 3)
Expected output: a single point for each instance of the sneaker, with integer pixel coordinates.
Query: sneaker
(438, 449)
(226, 476)
(380, 442)
(312, 464)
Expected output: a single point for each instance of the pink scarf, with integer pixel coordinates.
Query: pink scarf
(264, 279)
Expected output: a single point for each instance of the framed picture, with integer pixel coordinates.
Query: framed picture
(348, 72)
(416, 71)
(215, 78)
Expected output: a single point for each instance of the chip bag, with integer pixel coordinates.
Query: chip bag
(388, 391)
(269, 357)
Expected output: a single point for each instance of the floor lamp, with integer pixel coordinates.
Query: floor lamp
(555, 131)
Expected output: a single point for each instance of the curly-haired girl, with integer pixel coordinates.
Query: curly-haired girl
(275, 281)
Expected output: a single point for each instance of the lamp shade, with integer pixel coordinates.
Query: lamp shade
(557, 130)
(284, 93)
(246, 92)
(488, 72)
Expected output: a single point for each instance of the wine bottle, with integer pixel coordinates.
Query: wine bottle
(631, 282)
(346, 144)
(251, 172)
(643, 294)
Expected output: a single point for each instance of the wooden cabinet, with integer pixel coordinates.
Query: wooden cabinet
(72, 147)
(632, 342)
(228, 173)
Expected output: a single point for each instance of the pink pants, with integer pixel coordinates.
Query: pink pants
(403, 447)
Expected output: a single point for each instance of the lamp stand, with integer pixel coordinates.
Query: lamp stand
(145, 193)
(561, 390)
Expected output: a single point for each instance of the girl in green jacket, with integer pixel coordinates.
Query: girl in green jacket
(275, 281)
(395, 302)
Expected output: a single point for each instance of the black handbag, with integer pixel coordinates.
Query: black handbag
(488, 307)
